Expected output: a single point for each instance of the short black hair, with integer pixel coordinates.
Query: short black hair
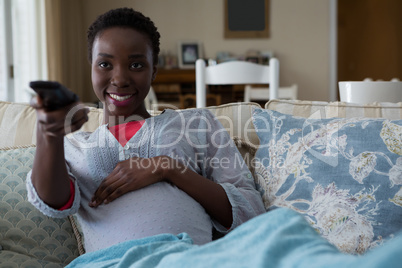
(124, 17)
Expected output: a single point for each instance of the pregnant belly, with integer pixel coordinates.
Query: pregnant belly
(156, 209)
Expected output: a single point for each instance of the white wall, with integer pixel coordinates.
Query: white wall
(299, 34)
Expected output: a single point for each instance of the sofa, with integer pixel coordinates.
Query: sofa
(326, 160)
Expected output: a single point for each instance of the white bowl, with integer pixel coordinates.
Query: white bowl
(370, 91)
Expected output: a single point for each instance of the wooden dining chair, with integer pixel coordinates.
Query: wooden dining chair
(233, 73)
(151, 101)
(252, 93)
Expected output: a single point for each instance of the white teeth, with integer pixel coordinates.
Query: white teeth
(120, 98)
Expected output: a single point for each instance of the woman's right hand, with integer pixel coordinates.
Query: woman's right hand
(49, 173)
(60, 122)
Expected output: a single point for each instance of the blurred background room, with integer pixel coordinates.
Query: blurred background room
(317, 42)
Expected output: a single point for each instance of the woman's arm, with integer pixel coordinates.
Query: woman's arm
(49, 173)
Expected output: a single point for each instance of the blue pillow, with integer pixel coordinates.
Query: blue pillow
(344, 175)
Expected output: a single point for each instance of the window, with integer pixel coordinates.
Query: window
(5, 54)
(23, 46)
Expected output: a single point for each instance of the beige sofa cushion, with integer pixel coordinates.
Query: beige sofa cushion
(17, 124)
(320, 109)
(236, 118)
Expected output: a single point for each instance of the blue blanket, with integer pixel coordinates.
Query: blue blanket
(280, 238)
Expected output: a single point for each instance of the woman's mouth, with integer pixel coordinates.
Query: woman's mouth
(120, 100)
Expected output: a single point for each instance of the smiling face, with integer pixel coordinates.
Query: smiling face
(122, 72)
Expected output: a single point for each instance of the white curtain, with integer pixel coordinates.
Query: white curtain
(43, 40)
(24, 27)
(5, 50)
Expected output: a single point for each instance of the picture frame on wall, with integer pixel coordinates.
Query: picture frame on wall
(189, 52)
(246, 19)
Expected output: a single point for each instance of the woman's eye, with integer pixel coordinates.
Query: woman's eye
(104, 65)
(136, 65)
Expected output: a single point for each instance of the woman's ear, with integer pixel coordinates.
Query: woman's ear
(154, 72)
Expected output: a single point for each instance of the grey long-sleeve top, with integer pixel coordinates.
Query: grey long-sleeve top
(196, 138)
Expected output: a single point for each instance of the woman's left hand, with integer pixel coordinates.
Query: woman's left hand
(137, 173)
(129, 175)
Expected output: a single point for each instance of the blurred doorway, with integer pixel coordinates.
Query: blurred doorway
(369, 39)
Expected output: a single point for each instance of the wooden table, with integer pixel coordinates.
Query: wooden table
(175, 76)
(177, 87)
(170, 85)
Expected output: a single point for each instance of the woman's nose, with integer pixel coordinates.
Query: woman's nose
(120, 78)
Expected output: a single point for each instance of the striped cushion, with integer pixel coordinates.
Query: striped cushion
(17, 124)
(236, 118)
(318, 109)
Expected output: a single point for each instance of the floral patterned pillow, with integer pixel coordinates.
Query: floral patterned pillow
(344, 175)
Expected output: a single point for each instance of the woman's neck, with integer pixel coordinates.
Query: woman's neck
(114, 120)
